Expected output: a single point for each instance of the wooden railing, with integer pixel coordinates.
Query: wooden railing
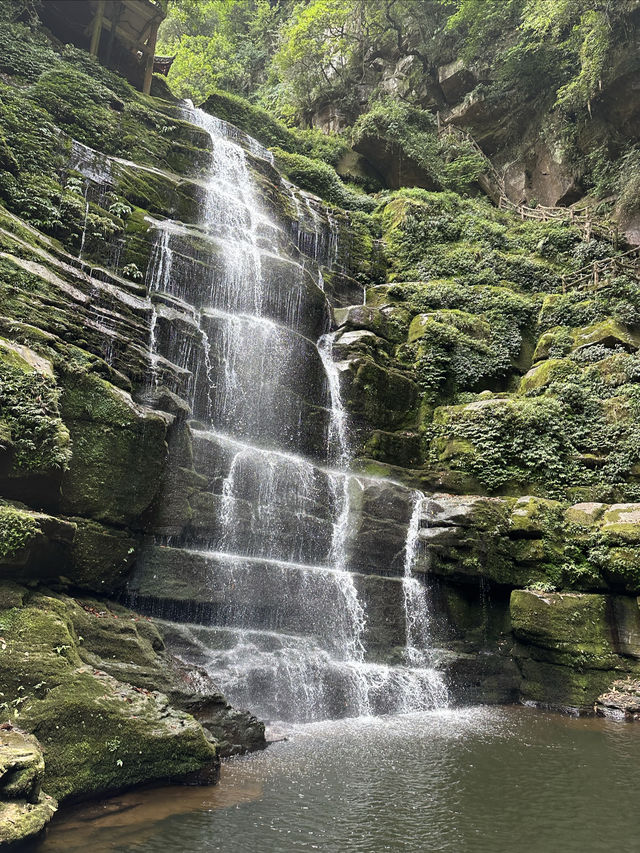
(492, 182)
(598, 273)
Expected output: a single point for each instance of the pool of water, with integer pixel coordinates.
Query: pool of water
(516, 780)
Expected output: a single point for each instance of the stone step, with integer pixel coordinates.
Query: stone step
(292, 674)
(232, 590)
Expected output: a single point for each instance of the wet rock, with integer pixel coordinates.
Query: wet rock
(388, 322)
(451, 510)
(380, 512)
(620, 702)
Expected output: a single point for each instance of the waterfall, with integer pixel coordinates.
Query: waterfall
(417, 611)
(242, 324)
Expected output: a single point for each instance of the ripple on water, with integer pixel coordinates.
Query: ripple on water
(509, 780)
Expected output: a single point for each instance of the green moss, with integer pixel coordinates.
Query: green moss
(99, 734)
(319, 178)
(17, 529)
(21, 821)
(261, 124)
(119, 451)
(101, 557)
(24, 54)
(542, 375)
(565, 648)
(430, 235)
(567, 625)
(383, 396)
(29, 402)
(514, 442)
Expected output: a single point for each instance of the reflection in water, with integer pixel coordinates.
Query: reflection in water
(134, 817)
(510, 780)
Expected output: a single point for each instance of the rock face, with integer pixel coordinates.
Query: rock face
(472, 373)
(24, 809)
(567, 646)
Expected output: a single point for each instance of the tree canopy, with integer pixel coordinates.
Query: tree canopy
(292, 55)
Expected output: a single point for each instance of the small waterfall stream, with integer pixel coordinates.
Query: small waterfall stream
(239, 310)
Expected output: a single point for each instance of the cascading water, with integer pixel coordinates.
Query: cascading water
(286, 628)
(416, 607)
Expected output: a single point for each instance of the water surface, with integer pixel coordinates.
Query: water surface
(509, 780)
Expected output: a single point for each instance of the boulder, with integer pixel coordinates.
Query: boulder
(24, 808)
(456, 79)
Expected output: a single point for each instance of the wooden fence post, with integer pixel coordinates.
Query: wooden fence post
(97, 29)
(150, 54)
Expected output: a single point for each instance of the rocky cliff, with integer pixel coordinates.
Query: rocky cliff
(493, 367)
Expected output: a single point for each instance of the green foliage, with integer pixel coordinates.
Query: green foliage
(410, 130)
(619, 299)
(438, 235)
(482, 21)
(86, 109)
(493, 303)
(560, 50)
(506, 443)
(321, 179)
(23, 53)
(218, 44)
(29, 408)
(17, 528)
(590, 39)
(318, 45)
(254, 120)
(452, 357)
(272, 132)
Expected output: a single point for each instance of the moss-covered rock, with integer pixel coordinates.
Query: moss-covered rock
(566, 646)
(24, 808)
(20, 821)
(98, 733)
(508, 444)
(382, 396)
(36, 446)
(551, 370)
(608, 334)
(100, 557)
(119, 451)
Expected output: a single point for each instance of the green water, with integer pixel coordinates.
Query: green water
(508, 780)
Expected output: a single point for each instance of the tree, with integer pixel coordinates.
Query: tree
(219, 44)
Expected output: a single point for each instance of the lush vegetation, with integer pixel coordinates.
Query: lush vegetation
(374, 59)
(300, 53)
